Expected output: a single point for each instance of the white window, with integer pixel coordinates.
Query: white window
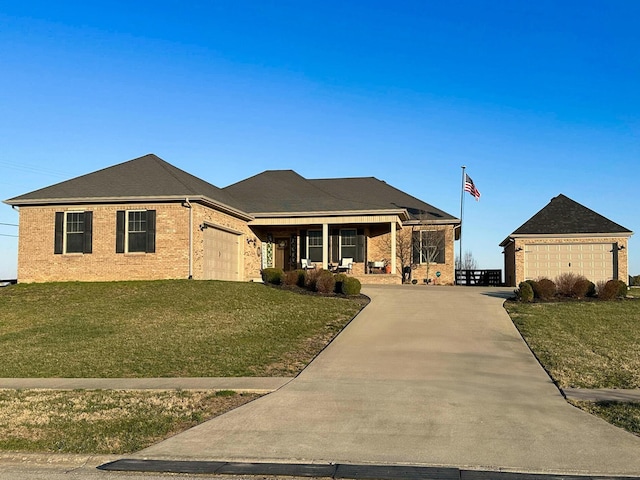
(73, 232)
(348, 242)
(314, 245)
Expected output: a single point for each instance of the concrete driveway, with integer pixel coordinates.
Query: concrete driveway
(424, 376)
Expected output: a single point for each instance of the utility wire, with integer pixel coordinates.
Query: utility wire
(5, 235)
(9, 224)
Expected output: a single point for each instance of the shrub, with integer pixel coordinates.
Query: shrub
(274, 276)
(613, 289)
(583, 288)
(546, 288)
(622, 289)
(325, 282)
(534, 288)
(340, 278)
(524, 293)
(351, 286)
(295, 277)
(565, 283)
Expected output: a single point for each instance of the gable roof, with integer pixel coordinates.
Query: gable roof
(275, 192)
(141, 179)
(564, 216)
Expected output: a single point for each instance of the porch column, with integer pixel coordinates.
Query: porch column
(325, 246)
(393, 247)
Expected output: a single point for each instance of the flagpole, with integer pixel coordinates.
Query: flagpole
(461, 215)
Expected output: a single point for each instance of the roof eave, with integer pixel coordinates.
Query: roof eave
(516, 236)
(141, 199)
(331, 213)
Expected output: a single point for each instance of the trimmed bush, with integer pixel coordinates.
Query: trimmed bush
(534, 287)
(524, 293)
(583, 288)
(612, 290)
(325, 282)
(546, 289)
(622, 289)
(340, 278)
(274, 276)
(351, 286)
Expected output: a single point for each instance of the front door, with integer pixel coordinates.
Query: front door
(283, 254)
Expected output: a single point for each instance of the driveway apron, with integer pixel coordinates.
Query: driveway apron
(424, 375)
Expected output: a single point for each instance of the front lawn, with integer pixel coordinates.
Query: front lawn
(103, 421)
(586, 344)
(163, 329)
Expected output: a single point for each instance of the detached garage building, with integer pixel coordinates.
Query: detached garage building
(563, 237)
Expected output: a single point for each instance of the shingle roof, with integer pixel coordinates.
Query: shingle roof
(563, 216)
(271, 192)
(285, 191)
(145, 177)
(374, 192)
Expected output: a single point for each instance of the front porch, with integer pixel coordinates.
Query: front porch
(364, 248)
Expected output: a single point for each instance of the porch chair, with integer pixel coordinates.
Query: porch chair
(307, 264)
(346, 264)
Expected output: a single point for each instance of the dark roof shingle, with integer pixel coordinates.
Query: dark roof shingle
(282, 191)
(563, 216)
(144, 177)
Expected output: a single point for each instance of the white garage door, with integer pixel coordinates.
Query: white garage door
(221, 255)
(593, 260)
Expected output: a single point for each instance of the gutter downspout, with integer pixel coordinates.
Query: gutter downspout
(186, 200)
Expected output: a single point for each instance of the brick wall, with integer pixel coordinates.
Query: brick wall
(38, 263)
(379, 247)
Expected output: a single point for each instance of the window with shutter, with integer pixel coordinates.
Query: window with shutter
(73, 232)
(136, 231)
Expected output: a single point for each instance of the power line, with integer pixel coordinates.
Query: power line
(5, 235)
(9, 224)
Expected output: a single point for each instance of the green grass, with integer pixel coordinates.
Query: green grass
(623, 415)
(163, 329)
(103, 422)
(584, 344)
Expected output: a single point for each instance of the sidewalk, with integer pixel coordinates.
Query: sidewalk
(238, 384)
(250, 385)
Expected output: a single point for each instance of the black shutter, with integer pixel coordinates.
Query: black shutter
(59, 236)
(360, 246)
(151, 231)
(87, 238)
(335, 246)
(415, 243)
(303, 244)
(120, 218)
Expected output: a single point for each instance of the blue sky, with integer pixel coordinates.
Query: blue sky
(535, 98)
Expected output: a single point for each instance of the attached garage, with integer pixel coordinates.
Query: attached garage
(566, 237)
(593, 260)
(221, 254)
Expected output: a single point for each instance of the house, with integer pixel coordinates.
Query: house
(146, 219)
(564, 237)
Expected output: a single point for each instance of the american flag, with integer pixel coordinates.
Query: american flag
(470, 187)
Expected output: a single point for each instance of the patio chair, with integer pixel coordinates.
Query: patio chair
(307, 264)
(346, 264)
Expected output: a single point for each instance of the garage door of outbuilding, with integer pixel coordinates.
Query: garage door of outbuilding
(596, 261)
(221, 254)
